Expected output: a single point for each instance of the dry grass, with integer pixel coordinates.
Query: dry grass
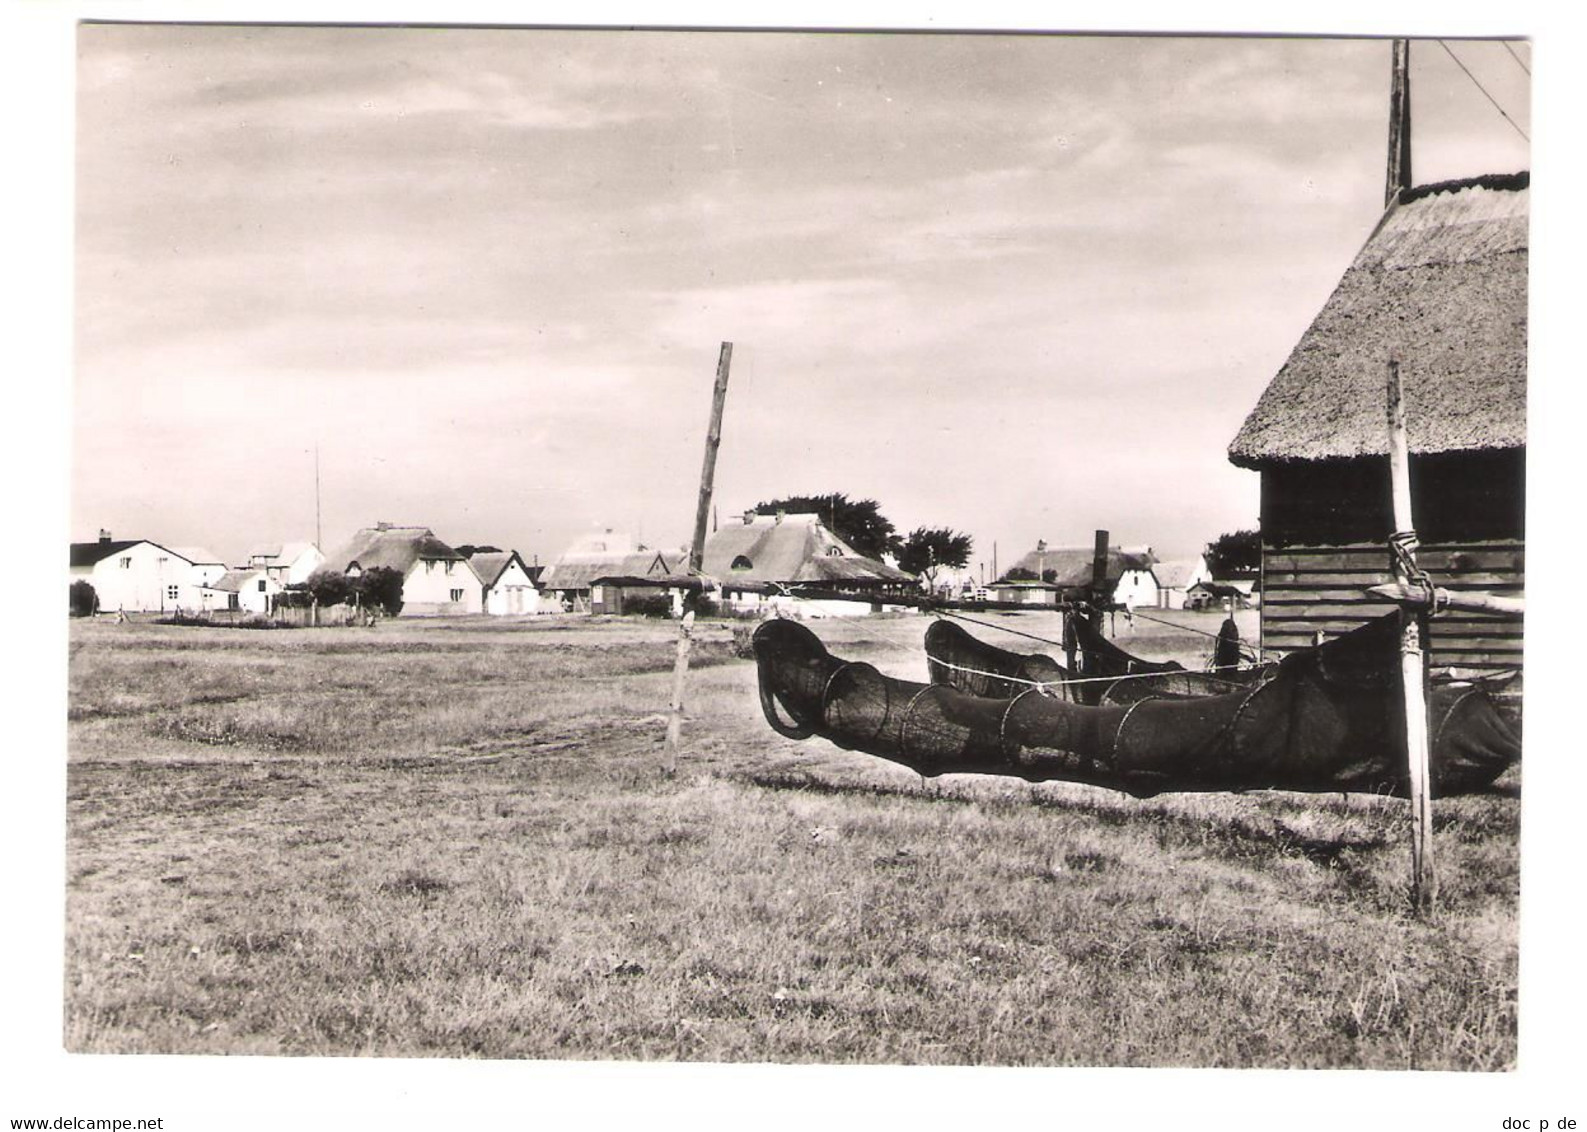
(453, 840)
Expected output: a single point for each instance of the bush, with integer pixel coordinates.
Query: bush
(649, 605)
(84, 601)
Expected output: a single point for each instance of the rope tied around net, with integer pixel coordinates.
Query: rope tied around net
(1402, 550)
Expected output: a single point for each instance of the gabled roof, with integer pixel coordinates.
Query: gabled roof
(1176, 575)
(578, 571)
(1441, 285)
(232, 581)
(198, 555)
(89, 553)
(284, 553)
(787, 549)
(1071, 565)
(396, 548)
(490, 565)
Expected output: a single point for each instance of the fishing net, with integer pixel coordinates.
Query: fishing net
(1326, 719)
(1111, 675)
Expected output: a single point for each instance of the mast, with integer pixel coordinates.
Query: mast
(1399, 170)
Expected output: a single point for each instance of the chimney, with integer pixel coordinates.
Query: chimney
(749, 517)
(1041, 546)
(1399, 172)
(382, 526)
(104, 535)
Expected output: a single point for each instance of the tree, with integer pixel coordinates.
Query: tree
(329, 587)
(83, 598)
(1237, 554)
(380, 587)
(858, 522)
(1020, 574)
(929, 550)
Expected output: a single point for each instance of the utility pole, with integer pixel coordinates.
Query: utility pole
(319, 542)
(702, 514)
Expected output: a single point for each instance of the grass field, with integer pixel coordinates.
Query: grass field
(453, 839)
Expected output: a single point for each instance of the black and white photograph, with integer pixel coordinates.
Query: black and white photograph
(691, 547)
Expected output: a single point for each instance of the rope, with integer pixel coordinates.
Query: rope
(994, 625)
(1402, 549)
(1076, 680)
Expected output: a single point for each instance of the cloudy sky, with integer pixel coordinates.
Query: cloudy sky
(1023, 286)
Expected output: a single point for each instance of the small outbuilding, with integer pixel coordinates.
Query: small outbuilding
(1441, 287)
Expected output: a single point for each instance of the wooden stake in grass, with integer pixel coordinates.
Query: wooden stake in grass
(1413, 664)
(702, 512)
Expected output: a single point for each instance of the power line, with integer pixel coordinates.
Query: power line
(1484, 90)
(1516, 57)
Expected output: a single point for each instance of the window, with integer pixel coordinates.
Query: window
(742, 563)
(449, 566)
(261, 585)
(172, 593)
(457, 595)
(126, 562)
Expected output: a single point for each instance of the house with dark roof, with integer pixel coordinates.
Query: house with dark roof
(1052, 574)
(506, 585)
(436, 580)
(1440, 286)
(770, 558)
(137, 575)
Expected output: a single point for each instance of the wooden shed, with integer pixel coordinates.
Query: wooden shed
(1441, 286)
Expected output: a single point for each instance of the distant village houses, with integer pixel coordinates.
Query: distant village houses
(136, 575)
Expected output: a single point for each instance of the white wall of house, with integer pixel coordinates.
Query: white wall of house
(436, 586)
(143, 577)
(512, 593)
(299, 569)
(1136, 588)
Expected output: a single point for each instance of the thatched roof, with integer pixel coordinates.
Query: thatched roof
(490, 565)
(789, 549)
(233, 581)
(396, 548)
(1441, 286)
(1071, 565)
(578, 570)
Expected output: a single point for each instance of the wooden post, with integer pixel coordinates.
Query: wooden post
(1099, 577)
(1399, 171)
(1413, 664)
(702, 514)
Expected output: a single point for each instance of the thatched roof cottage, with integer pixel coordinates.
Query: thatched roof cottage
(1440, 286)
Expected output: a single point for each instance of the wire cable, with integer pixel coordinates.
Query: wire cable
(1484, 90)
(1516, 57)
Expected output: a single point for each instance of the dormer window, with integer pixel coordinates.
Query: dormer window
(742, 563)
(835, 552)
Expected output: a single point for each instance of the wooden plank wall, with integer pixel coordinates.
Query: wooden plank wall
(1310, 588)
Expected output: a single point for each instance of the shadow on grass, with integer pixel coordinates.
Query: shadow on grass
(1234, 836)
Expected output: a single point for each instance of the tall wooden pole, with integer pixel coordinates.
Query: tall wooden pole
(1413, 664)
(702, 514)
(1399, 172)
(1099, 576)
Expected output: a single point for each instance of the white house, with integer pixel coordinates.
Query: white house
(1175, 578)
(248, 589)
(1047, 573)
(436, 580)
(290, 563)
(136, 575)
(505, 582)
